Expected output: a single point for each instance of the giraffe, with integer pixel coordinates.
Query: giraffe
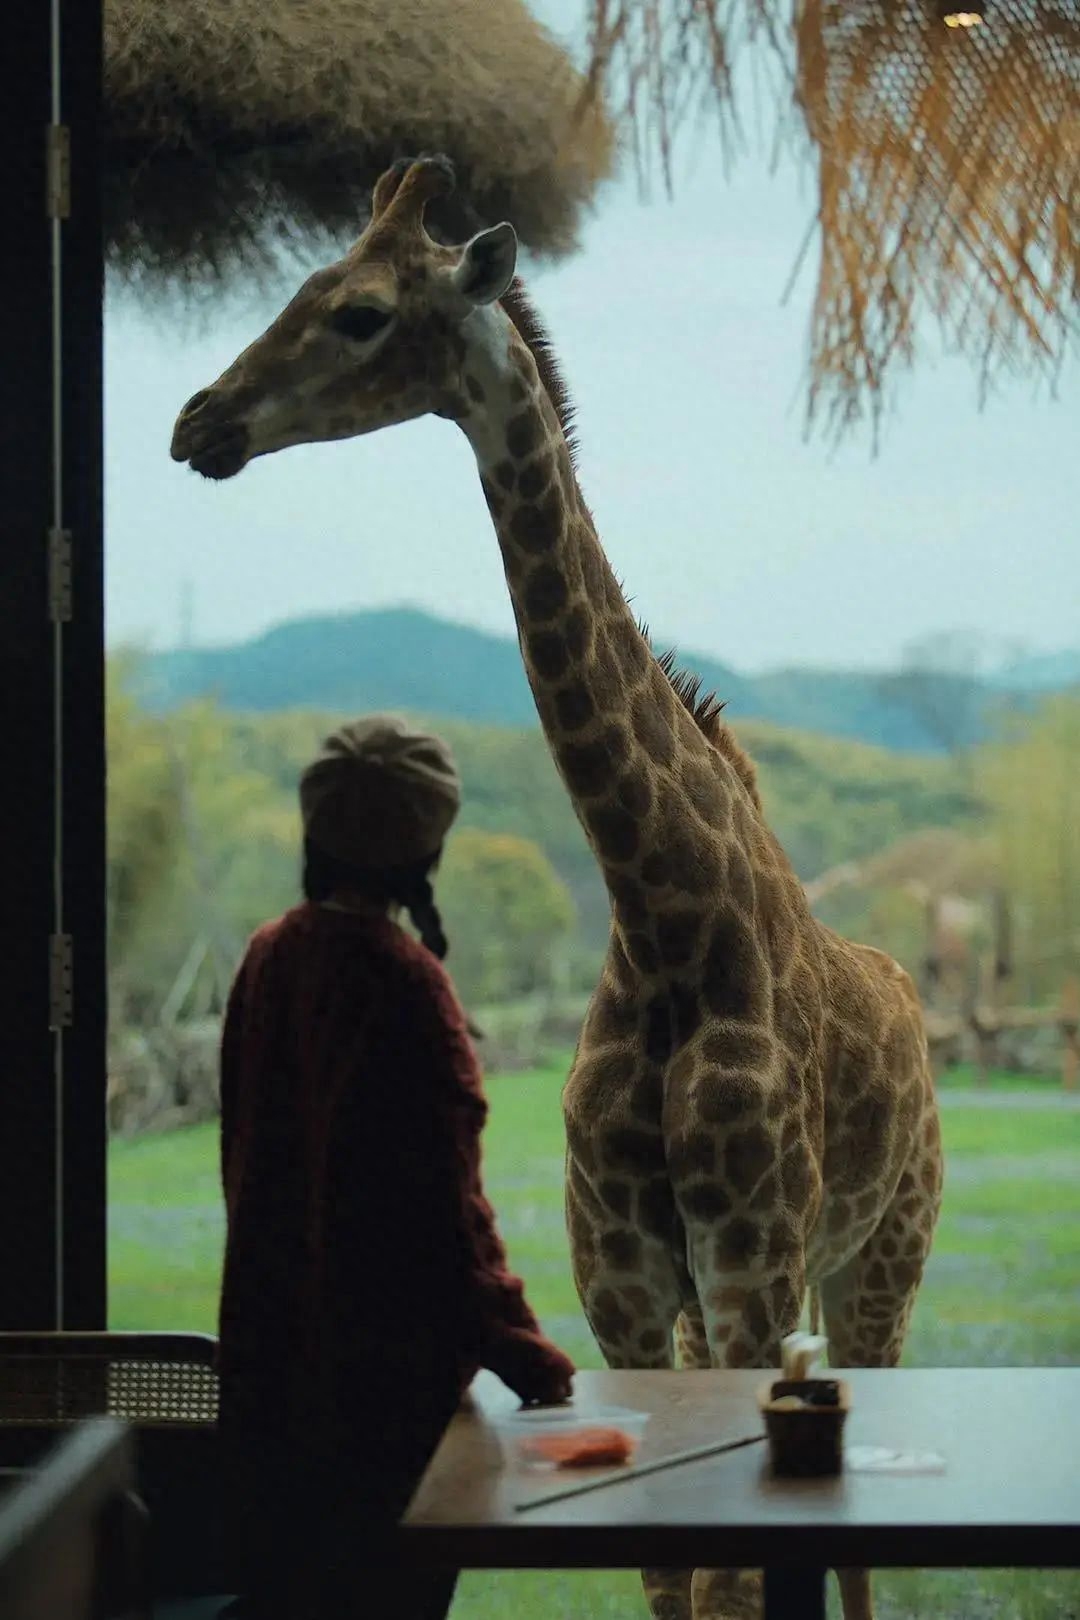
(750, 1112)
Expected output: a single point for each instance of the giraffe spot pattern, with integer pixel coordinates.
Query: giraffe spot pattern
(656, 1209)
(704, 1201)
(545, 593)
(658, 1039)
(548, 653)
(524, 433)
(685, 1012)
(739, 1241)
(735, 1045)
(635, 1299)
(607, 1318)
(629, 899)
(615, 832)
(747, 1156)
(677, 934)
(757, 1318)
(574, 706)
(621, 1249)
(576, 632)
(693, 865)
(656, 869)
(616, 1197)
(721, 1098)
(693, 1154)
(733, 970)
(536, 527)
(646, 1101)
(634, 1150)
(642, 952)
(586, 767)
(634, 793)
(535, 478)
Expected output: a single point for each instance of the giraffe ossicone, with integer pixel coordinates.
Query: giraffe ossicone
(750, 1111)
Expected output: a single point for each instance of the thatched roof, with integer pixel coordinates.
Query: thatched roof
(236, 126)
(948, 163)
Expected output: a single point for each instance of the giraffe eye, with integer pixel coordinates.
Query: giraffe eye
(360, 322)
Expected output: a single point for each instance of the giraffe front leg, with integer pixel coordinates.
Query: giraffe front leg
(751, 1294)
(631, 1296)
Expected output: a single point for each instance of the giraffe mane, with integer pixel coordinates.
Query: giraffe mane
(705, 710)
(533, 334)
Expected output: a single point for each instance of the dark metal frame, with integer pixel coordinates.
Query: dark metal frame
(52, 824)
(75, 1522)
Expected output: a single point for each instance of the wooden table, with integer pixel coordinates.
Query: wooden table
(1009, 1495)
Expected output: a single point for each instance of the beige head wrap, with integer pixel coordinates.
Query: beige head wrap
(380, 794)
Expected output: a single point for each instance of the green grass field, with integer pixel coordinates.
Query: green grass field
(1003, 1288)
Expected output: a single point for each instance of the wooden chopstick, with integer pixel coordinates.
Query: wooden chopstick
(637, 1471)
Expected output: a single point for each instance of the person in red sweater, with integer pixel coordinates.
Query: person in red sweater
(365, 1282)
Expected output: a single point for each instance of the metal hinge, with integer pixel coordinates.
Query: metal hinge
(60, 593)
(58, 171)
(61, 974)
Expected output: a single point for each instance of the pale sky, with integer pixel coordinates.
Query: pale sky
(734, 535)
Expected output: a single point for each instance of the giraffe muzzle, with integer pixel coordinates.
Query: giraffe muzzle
(212, 445)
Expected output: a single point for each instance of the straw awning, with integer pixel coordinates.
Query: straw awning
(237, 127)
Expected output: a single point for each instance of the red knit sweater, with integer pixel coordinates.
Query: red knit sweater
(364, 1275)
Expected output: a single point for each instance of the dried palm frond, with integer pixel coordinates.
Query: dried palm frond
(948, 164)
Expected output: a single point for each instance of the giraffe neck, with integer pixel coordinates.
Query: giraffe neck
(655, 800)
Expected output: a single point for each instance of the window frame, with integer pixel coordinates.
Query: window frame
(52, 743)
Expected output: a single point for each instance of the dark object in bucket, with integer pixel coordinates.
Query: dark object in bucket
(805, 1441)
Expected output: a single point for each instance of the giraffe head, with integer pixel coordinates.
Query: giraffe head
(372, 340)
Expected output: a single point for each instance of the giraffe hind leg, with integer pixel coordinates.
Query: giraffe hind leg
(751, 1294)
(691, 1594)
(867, 1306)
(669, 1592)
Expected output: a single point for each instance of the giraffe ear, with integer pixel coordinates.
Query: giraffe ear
(486, 266)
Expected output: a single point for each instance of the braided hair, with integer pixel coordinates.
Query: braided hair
(409, 886)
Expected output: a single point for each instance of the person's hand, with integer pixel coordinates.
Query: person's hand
(547, 1378)
(559, 1395)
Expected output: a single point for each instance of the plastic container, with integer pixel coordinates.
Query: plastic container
(806, 1440)
(569, 1438)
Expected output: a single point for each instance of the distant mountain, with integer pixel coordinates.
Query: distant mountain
(402, 658)
(1042, 672)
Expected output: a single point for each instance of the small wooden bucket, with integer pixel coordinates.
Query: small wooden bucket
(806, 1442)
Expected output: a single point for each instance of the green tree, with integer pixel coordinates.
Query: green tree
(508, 914)
(201, 848)
(144, 826)
(1031, 780)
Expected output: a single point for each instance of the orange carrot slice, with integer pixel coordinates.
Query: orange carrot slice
(588, 1448)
